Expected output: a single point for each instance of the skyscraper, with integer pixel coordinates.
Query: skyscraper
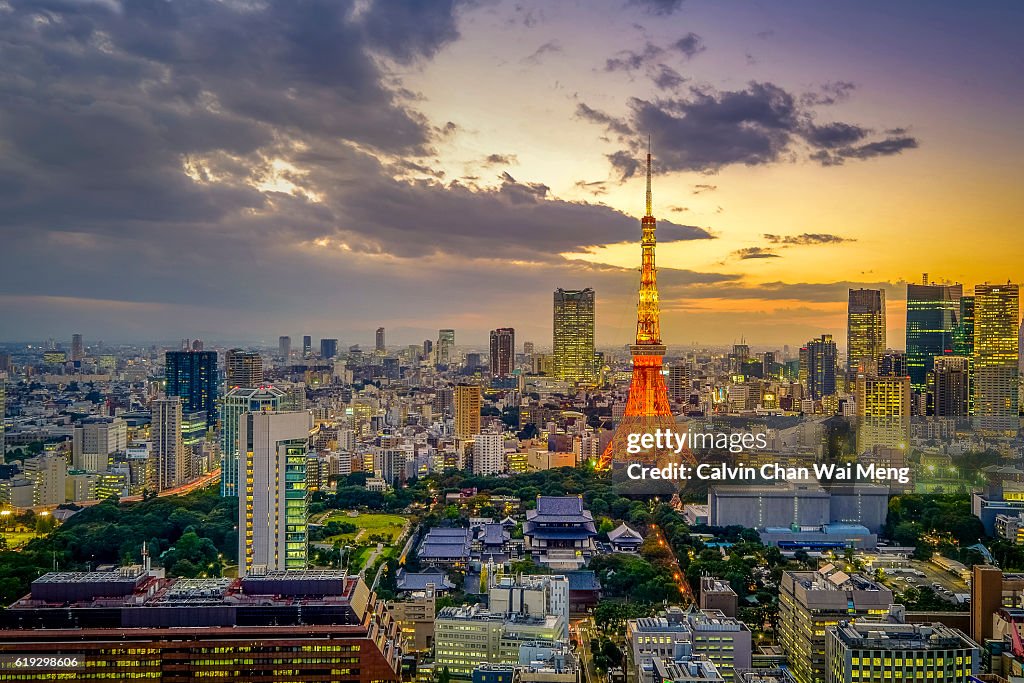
(467, 401)
(237, 401)
(996, 355)
(818, 366)
(243, 368)
(284, 347)
(527, 349)
(503, 354)
(77, 347)
(328, 348)
(951, 386)
(573, 335)
(865, 331)
(272, 507)
(428, 348)
(307, 346)
(168, 448)
(647, 408)
(192, 375)
(445, 345)
(379, 346)
(883, 411)
(932, 312)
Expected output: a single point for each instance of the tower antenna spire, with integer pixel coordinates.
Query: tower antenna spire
(649, 202)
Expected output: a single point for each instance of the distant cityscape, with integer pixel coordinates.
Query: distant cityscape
(438, 512)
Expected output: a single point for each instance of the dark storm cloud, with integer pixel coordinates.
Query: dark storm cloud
(216, 159)
(99, 109)
(410, 219)
(709, 129)
(754, 253)
(807, 238)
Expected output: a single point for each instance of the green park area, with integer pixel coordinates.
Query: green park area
(14, 539)
(362, 532)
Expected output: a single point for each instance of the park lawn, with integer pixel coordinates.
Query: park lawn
(387, 526)
(16, 539)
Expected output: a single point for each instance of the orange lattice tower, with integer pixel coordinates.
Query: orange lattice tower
(647, 408)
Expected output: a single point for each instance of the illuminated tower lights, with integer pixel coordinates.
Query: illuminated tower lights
(647, 408)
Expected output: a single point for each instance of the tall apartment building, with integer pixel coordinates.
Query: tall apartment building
(284, 347)
(811, 602)
(168, 448)
(818, 367)
(488, 453)
(573, 336)
(307, 346)
(95, 439)
(192, 375)
(243, 368)
(679, 380)
(379, 341)
(951, 386)
(872, 650)
(236, 402)
(996, 357)
(272, 532)
(883, 412)
(502, 356)
(865, 331)
(467, 402)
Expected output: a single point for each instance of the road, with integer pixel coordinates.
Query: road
(584, 630)
(685, 594)
(200, 483)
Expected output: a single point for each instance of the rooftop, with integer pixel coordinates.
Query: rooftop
(877, 635)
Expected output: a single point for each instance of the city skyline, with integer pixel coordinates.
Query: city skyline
(160, 192)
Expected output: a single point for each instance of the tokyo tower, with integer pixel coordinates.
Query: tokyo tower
(647, 408)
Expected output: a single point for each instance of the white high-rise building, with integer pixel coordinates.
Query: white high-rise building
(272, 496)
(95, 440)
(168, 450)
(488, 453)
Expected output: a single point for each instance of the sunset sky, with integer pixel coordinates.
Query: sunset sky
(238, 170)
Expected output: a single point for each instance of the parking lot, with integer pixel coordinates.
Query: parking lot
(945, 584)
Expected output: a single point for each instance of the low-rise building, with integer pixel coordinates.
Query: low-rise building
(871, 650)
